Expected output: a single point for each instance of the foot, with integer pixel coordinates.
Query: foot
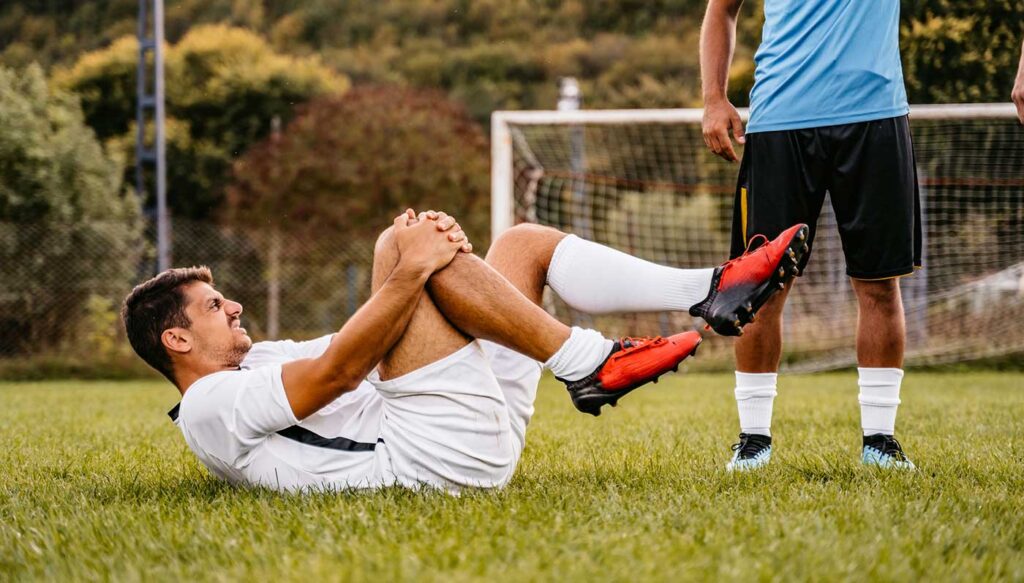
(752, 452)
(740, 287)
(633, 362)
(885, 452)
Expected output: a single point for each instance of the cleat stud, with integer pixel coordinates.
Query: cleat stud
(737, 323)
(805, 248)
(782, 272)
(739, 332)
(803, 235)
(748, 307)
(782, 285)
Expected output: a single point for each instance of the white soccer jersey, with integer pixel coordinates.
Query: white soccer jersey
(240, 426)
(460, 421)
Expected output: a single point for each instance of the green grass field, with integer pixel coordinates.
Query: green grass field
(97, 484)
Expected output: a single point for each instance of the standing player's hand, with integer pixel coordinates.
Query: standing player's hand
(721, 118)
(446, 222)
(422, 247)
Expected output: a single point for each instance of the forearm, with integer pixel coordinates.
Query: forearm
(717, 42)
(360, 344)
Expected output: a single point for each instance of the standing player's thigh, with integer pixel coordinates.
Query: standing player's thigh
(874, 193)
(781, 183)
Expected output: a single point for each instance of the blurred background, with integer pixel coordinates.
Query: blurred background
(295, 129)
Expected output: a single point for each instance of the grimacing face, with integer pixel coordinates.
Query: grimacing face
(217, 333)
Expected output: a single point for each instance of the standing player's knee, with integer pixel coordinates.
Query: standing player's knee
(879, 295)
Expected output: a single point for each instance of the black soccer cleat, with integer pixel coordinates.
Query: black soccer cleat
(740, 287)
(752, 452)
(885, 452)
(633, 362)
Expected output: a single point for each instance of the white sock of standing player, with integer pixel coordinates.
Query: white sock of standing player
(596, 279)
(755, 395)
(879, 398)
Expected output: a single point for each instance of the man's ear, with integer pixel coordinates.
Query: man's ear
(177, 340)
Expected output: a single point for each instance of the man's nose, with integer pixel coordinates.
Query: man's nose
(234, 308)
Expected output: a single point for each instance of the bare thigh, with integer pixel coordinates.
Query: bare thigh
(429, 336)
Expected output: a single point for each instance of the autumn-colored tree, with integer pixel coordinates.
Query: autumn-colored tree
(351, 163)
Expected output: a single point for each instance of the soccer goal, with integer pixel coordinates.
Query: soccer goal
(642, 181)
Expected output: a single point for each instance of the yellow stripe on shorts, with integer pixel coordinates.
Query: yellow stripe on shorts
(743, 213)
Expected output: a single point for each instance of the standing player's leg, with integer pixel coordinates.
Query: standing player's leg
(875, 196)
(782, 181)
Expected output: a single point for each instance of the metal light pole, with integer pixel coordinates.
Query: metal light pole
(150, 105)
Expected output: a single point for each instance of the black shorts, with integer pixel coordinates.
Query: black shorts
(868, 170)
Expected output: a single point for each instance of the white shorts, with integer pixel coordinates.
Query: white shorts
(460, 421)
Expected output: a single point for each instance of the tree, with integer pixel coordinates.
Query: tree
(960, 51)
(351, 163)
(68, 233)
(223, 86)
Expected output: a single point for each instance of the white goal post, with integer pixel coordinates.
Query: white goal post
(643, 181)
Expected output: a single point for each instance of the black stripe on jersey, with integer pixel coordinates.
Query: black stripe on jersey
(303, 435)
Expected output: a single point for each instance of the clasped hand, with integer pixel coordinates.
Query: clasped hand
(430, 240)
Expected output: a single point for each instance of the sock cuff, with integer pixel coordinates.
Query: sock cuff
(756, 379)
(744, 393)
(879, 376)
(564, 252)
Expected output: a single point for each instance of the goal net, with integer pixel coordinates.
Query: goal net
(642, 181)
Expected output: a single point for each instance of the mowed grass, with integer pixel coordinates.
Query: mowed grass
(95, 483)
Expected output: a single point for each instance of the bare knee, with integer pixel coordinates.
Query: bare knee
(526, 240)
(882, 296)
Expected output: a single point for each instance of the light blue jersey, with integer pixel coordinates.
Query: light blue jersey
(827, 62)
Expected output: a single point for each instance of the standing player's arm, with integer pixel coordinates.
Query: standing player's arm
(1018, 88)
(717, 42)
(310, 384)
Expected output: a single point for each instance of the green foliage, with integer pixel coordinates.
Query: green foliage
(351, 163)
(961, 51)
(223, 87)
(63, 216)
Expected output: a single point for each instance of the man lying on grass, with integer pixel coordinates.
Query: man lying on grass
(432, 381)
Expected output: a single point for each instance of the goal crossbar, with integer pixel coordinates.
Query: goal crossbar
(502, 194)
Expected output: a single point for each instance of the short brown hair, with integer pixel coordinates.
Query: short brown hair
(156, 305)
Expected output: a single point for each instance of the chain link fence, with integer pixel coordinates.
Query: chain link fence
(61, 288)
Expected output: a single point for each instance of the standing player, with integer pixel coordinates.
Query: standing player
(828, 112)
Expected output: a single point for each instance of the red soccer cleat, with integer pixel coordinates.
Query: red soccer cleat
(633, 362)
(741, 286)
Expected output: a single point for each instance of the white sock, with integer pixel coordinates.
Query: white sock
(596, 279)
(580, 355)
(879, 398)
(755, 394)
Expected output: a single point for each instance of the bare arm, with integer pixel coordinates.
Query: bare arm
(717, 42)
(1018, 88)
(362, 342)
